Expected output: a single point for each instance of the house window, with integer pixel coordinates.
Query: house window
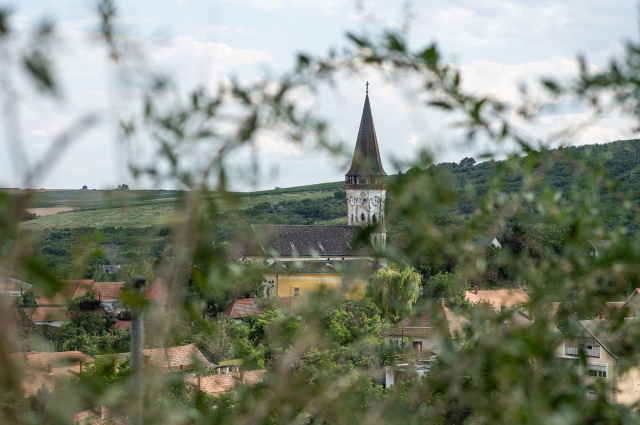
(597, 370)
(296, 291)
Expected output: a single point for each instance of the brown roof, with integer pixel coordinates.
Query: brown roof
(217, 384)
(423, 324)
(498, 297)
(64, 365)
(242, 308)
(170, 358)
(70, 289)
(122, 324)
(158, 293)
(107, 291)
(57, 359)
(94, 417)
(615, 305)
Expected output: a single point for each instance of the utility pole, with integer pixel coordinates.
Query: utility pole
(137, 344)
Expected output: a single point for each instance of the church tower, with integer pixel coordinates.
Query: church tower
(366, 181)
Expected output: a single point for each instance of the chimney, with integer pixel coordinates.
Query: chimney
(442, 302)
(115, 364)
(475, 289)
(147, 362)
(102, 412)
(503, 310)
(241, 374)
(199, 381)
(81, 366)
(50, 369)
(418, 352)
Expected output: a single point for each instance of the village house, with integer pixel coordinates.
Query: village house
(421, 335)
(599, 341)
(243, 307)
(218, 384)
(13, 287)
(497, 298)
(46, 370)
(99, 416)
(183, 357)
(286, 279)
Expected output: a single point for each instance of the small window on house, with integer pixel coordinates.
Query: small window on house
(296, 291)
(597, 370)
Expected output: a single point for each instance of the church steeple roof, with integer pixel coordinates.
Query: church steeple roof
(366, 157)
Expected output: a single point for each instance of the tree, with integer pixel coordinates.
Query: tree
(394, 290)
(467, 162)
(85, 187)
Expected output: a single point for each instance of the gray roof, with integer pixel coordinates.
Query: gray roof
(366, 157)
(324, 267)
(610, 335)
(110, 268)
(308, 241)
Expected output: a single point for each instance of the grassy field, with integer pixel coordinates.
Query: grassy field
(141, 208)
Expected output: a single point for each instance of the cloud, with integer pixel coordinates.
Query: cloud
(327, 6)
(39, 133)
(414, 139)
(180, 2)
(219, 30)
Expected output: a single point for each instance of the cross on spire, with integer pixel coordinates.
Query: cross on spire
(367, 87)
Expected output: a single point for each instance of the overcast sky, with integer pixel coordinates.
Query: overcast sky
(497, 45)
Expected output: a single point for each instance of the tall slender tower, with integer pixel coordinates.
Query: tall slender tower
(366, 180)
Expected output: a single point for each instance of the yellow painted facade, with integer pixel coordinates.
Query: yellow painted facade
(627, 384)
(304, 284)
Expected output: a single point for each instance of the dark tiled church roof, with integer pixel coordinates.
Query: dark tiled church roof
(308, 241)
(366, 158)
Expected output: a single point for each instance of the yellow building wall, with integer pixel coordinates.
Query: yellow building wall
(628, 383)
(283, 285)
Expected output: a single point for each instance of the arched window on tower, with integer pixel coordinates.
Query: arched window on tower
(374, 219)
(351, 218)
(362, 216)
(375, 240)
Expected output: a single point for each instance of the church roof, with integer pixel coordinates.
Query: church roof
(308, 241)
(366, 157)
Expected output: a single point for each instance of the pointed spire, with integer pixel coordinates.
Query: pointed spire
(366, 157)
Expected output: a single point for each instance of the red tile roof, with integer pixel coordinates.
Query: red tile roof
(424, 324)
(57, 359)
(498, 297)
(96, 417)
(64, 365)
(171, 358)
(217, 384)
(242, 308)
(158, 293)
(107, 291)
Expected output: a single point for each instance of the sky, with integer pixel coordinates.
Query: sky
(496, 44)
